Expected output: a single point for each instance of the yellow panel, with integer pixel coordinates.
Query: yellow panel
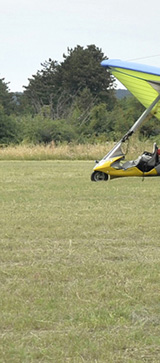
(137, 84)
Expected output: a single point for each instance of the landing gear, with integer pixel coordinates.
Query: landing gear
(98, 176)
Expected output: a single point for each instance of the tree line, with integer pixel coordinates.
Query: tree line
(71, 101)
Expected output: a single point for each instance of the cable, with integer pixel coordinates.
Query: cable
(149, 56)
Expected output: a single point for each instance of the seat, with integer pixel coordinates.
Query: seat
(148, 160)
(128, 164)
(154, 157)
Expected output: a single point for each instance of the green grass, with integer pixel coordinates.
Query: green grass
(80, 265)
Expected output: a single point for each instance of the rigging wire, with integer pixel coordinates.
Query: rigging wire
(149, 56)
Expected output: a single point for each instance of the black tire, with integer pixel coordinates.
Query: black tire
(99, 176)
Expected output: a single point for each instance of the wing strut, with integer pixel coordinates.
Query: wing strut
(116, 151)
(141, 119)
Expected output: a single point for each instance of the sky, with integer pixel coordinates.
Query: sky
(32, 31)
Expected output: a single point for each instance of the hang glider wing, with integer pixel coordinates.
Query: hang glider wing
(141, 80)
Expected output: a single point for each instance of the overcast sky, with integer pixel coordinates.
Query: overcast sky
(31, 31)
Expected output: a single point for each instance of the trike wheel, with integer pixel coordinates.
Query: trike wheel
(99, 176)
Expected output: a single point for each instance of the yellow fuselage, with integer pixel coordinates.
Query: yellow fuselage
(116, 170)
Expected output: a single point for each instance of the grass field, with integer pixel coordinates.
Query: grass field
(80, 265)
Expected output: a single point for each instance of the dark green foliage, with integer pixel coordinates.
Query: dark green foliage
(71, 101)
(99, 119)
(21, 104)
(8, 128)
(6, 97)
(40, 129)
(151, 127)
(43, 87)
(57, 85)
(81, 69)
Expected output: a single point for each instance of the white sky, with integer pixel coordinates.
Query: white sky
(31, 31)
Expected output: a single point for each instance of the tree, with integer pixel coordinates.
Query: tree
(8, 128)
(42, 87)
(81, 69)
(57, 84)
(6, 97)
(99, 120)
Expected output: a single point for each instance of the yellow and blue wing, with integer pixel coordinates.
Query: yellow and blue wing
(141, 80)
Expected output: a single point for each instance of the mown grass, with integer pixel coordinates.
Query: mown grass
(80, 265)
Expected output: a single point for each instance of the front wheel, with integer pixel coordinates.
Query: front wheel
(98, 176)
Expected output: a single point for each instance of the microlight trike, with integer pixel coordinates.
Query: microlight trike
(144, 83)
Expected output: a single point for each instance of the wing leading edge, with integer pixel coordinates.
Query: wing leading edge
(141, 80)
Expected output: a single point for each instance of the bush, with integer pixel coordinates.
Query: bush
(8, 128)
(40, 129)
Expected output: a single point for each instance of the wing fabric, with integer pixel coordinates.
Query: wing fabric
(141, 80)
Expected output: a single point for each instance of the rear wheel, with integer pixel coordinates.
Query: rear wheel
(98, 176)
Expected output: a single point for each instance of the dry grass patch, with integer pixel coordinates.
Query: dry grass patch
(69, 151)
